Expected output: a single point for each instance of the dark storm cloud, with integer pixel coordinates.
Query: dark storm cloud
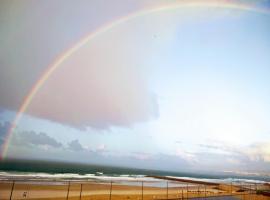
(37, 139)
(31, 39)
(75, 145)
(26, 138)
(3, 131)
(27, 48)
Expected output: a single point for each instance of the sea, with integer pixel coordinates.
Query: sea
(63, 171)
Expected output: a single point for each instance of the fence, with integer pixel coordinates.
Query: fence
(133, 190)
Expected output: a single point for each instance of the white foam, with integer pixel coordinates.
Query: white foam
(105, 178)
(44, 175)
(28, 175)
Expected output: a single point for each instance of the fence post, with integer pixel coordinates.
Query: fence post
(187, 190)
(204, 191)
(111, 191)
(68, 190)
(81, 191)
(142, 190)
(167, 190)
(255, 191)
(243, 192)
(11, 192)
(182, 193)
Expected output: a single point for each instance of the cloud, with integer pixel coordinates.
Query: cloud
(255, 156)
(98, 86)
(101, 148)
(258, 152)
(172, 162)
(221, 147)
(145, 160)
(185, 155)
(32, 138)
(19, 70)
(75, 145)
(210, 146)
(4, 128)
(141, 156)
(3, 131)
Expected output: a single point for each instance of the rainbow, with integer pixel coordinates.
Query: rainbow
(62, 57)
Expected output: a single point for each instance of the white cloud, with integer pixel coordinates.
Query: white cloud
(258, 152)
(141, 156)
(185, 155)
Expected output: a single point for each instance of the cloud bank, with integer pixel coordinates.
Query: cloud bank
(99, 86)
(32, 138)
(249, 157)
(221, 156)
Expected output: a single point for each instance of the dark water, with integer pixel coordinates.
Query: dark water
(61, 167)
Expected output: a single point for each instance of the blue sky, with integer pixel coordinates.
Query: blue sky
(180, 89)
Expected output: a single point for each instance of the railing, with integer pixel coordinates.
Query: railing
(67, 190)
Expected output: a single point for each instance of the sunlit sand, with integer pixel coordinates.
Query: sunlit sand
(100, 191)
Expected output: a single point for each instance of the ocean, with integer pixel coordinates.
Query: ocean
(25, 169)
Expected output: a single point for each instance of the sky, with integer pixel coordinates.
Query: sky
(177, 89)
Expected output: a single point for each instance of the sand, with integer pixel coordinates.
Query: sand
(103, 191)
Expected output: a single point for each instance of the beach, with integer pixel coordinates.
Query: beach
(112, 190)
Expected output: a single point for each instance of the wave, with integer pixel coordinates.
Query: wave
(65, 176)
(115, 178)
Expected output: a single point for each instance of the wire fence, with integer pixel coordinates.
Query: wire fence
(133, 190)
